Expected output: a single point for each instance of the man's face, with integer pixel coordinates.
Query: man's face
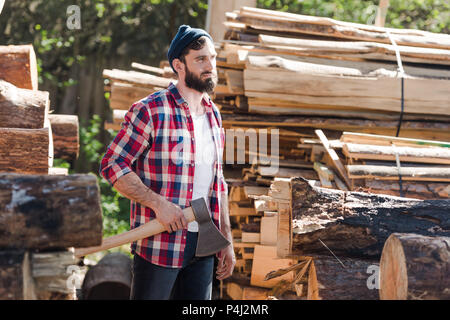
(200, 67)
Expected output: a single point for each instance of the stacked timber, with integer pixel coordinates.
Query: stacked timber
(125, 87)
(304, 73)
(44, 212)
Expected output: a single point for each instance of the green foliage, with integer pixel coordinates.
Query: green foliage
(138, 28)
(429, 15)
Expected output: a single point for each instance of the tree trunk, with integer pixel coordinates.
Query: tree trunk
(65, 136)
(18, 66)
(43, 211)
(110, 279)
(22, 108)
(415, 267)
(26, 151)
(356, 223)
(356, 280)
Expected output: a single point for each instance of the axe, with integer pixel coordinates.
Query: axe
(210, 239)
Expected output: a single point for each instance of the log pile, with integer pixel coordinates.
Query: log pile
(44, 211)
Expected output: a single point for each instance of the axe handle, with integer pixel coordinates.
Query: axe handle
(146, 230)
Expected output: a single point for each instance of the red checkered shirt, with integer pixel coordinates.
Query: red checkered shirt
(156, 141)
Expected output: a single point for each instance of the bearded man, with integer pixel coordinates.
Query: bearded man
(168, 153)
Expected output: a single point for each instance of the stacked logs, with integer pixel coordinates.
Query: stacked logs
(356, 226)
(44, 212)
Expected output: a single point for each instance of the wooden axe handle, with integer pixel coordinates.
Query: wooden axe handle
(146, 230)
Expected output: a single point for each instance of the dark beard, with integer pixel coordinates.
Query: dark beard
(196, 83)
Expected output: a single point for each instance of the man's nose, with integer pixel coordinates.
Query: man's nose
(209, 65)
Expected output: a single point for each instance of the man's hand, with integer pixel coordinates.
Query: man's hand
(170, 215)
(226, 264)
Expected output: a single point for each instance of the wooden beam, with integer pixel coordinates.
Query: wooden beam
(335, 158)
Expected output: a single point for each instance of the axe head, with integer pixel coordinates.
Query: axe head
(210, 239)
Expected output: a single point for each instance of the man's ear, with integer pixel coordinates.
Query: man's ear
(178, 65)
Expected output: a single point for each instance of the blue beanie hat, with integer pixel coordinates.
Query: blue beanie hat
(184, 36)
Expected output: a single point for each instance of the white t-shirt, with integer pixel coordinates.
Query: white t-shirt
(205, 155)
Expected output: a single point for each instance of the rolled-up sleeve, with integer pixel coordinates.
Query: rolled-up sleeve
(131, 141)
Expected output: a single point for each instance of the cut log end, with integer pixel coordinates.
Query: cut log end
(394, 282)
(415, 267)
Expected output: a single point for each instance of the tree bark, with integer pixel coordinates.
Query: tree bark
(415, 267)
(18, 66)
(22, 108)
(26, 151)
(66, 142)
(44, 211)
(356, 223)
(349, 282)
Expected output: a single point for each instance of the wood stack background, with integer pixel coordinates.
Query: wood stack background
(329, 92)
(44, 212)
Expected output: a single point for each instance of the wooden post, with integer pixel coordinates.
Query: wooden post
(381, 13)
(215, 16)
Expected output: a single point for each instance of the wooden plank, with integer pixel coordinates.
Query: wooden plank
(123, 95)
(252, 191)
(236, 210)
(269, 230)
(379, 140)
(372, 93)
(405, 154)
(143, 67)
(410, 129)
(334, 157)
(325, 175)
(253, 237)
(140, 79)
(235, 81)
(392, 173)
(313, 287)
(302, 24)
(265, 260)
(284, 232)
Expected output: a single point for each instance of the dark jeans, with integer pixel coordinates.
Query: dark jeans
(191, 282)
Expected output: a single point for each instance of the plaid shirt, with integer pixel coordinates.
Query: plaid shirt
(156, 141)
